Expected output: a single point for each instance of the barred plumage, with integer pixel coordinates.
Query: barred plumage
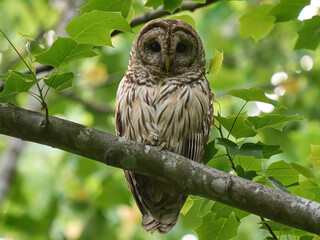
(164, 99)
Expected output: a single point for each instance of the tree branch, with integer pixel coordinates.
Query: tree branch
(146, 17)
(189, 176)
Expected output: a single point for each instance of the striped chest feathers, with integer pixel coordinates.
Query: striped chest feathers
(163, 113)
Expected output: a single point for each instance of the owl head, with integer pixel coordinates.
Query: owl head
(168, 46)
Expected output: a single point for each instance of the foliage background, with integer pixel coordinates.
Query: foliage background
(57, 195)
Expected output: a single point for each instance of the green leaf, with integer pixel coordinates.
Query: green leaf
(205, 207)
(184, 16)
(274, 182)
(240, 213)
(302, 192)
(17, 82)
(187, 205)
(254, 94)
(305, 171)
(245, 174)
(314, 157)
(277, 184)
(257, 23)
(306, 237)
(215, 62)
(122, 6)
(64, 50)
(275, 121)
(4, 75)
(283, 230)
(171, 5)
(154, 3)
(192, 219)
(284, 172)
(96, 26)
(251, 149)
(269, 150)
(224, 211)
(312, 187)
(250, 175)
(241, 128)
(276, 226)
(232, 147)
(309, 34)
(209, 152)
(60, 81)
(221, 210)
(288, 9)
(240, 171)
(258, 150)
(223, 228)
(19, 34)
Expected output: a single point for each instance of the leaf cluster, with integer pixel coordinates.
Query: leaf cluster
(259, 22)
(288, 177)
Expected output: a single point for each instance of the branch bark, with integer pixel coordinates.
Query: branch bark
(190, 177)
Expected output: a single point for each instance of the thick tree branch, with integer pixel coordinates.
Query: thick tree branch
(190, 177)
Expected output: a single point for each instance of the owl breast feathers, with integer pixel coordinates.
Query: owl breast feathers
(164, 99)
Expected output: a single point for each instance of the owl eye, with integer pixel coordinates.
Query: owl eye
(181, 48)
(155, 47)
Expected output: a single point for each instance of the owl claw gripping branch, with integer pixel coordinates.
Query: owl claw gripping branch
(165, 98)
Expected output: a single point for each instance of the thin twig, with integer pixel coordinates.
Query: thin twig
(43, 103)
(228, 154)
(269, 228)
(233, 166)
(234, 122)
(146, 17)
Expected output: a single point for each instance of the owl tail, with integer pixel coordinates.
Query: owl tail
(150, 224)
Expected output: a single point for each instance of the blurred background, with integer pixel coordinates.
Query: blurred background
(46, 193)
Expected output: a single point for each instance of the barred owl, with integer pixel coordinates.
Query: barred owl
(164, 99)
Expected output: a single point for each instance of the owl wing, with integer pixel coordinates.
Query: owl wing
(121, 125)
(202, 109)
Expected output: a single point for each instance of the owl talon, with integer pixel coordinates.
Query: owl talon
(163, 146)
(147, 142)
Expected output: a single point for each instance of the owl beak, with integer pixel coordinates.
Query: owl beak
(168, 64)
